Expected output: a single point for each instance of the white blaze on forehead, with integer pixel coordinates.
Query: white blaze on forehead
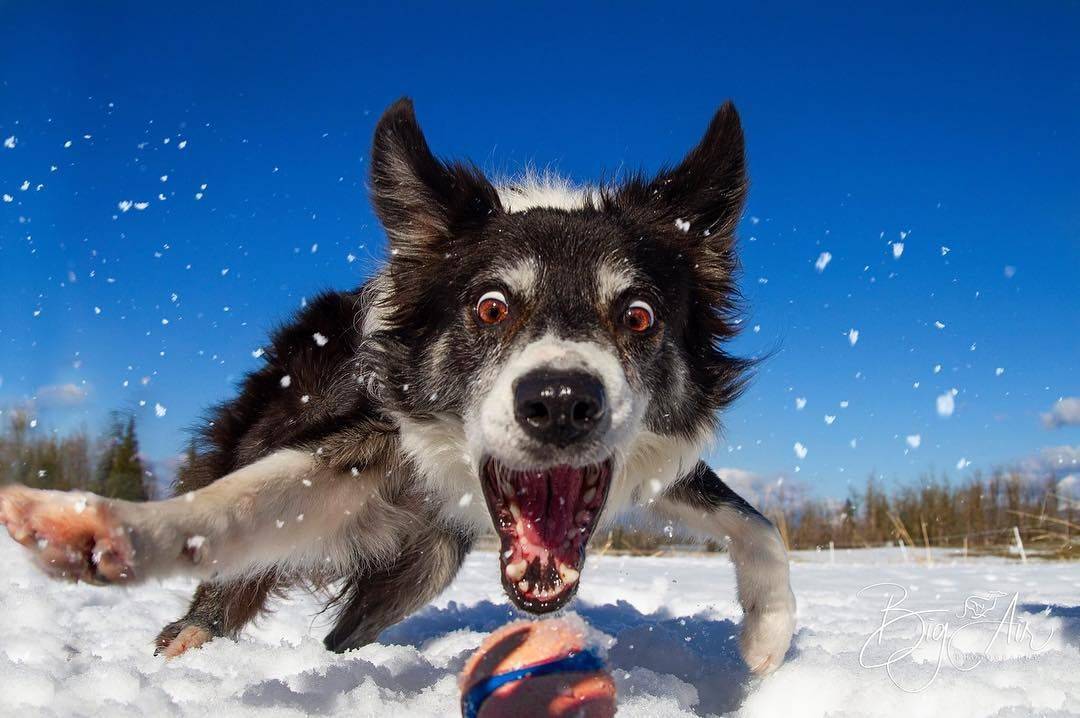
(612, 279)
(545, 190)
(519, 277)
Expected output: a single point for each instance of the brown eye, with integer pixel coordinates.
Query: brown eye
(639, 317)
(492, 308)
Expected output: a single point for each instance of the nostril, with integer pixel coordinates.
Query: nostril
(585, 412)
(536, 413)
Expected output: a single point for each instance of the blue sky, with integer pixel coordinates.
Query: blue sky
(960, 130)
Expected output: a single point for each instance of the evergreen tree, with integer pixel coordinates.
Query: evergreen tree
(120, 473)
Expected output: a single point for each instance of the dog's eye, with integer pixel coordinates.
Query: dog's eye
(492, 308)
(639, 317)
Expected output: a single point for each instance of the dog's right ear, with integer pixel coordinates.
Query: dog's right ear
(421, 200)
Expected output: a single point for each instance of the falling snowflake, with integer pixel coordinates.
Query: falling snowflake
(853, 336)
(822, 261)
(682, 225)
(320, 340)
(913, 440)
(946, 403)
(800, 403)
(800, 450)
(159, 410)
(10, 142)
(897, 249)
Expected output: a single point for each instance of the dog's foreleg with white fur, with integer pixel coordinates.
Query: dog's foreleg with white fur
(285, 509)
(707, 507)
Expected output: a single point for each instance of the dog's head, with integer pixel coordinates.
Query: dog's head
(549, 337)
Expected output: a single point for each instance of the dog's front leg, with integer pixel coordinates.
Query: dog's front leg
(706, 506)
(286, 507)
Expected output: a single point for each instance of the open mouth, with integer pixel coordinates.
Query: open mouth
(544, 519)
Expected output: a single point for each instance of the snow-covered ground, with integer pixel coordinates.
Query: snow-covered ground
(78, 650)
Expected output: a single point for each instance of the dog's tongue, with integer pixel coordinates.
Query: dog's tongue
(548, 501)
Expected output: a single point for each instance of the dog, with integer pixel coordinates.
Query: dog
(537, 357)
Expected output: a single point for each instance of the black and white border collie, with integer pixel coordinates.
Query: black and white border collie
(536, 357)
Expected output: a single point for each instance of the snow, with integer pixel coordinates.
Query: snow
(671, 623)
(946, 403)
(822, 261)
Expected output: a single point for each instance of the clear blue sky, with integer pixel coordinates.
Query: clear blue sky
(961, 129)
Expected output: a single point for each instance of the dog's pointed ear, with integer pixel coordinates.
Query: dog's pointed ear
(704, 194)
(420, 199)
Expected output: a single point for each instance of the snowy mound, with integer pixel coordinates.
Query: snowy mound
(78, 650)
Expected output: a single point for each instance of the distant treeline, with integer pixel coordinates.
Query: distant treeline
(107, 464)
(977, 514)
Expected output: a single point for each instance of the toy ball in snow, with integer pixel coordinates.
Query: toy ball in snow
(537, 669)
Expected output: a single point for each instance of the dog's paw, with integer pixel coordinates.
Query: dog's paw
(179, 637)
(71, 535)
(766, 633)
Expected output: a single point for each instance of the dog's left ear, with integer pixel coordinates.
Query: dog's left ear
(421, 200)
(707, 189)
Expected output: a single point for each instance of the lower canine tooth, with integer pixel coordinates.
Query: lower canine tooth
(568, 575)
(589, 496)
(515, 511)
(516, 571)
(523, 586)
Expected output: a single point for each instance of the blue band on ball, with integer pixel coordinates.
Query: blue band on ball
(582, 662)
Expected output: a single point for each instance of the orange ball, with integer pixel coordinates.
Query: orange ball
(537, 669)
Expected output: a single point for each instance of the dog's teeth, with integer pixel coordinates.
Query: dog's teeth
(582, 518)
(523, 586)
(516, 571)
(515, 511)
(569, 575)
(589, 495)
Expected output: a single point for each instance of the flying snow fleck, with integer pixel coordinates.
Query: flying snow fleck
(939, 325)
(320, 340)
(999, 371)
(286, 381)
(829, 419)
(962, 464)
(258, 352)
(159, 410)
(465, 500)
(822, 261)
(913, 440)
(800, 450)
(946, 403)
(897, 249)
(800, 403)
(8, 198)
(10, 142)
(682, 225)
(853, 336)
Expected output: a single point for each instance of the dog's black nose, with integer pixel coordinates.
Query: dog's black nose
(559, 407)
